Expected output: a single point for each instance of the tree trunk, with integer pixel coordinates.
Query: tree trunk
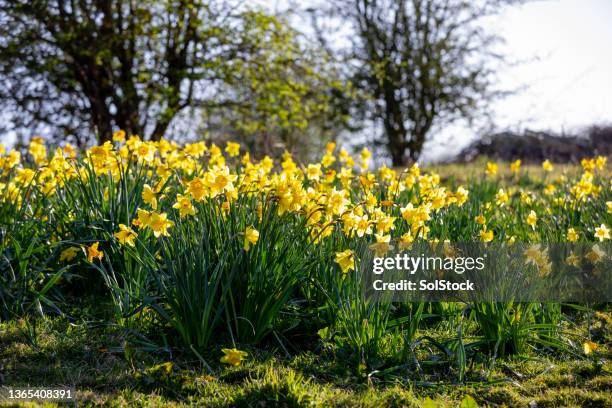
(397, 155)
(416, 146)
(103, 121)
(396, 144)
(105, 132)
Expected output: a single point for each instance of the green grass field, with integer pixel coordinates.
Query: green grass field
(108, 371)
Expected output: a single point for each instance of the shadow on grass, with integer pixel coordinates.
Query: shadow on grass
(94, 360)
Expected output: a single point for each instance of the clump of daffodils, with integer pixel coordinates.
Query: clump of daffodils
(339, 194)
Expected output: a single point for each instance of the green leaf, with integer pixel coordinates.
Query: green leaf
(468, 402)
(323, 333)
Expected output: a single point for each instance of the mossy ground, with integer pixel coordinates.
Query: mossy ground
(108, 370)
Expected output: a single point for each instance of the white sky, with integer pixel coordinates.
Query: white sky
(566, 51)
(566, 46)
(571, 82)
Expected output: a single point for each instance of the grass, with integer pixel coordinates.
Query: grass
(95, 360)
(463, 172)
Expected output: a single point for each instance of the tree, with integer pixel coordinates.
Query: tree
(422, 63)
(285, 92)
(86, 67)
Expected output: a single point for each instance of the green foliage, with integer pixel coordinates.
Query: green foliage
(99, 65)
(139, 66)
(28, 264)
(358, 323)
(286, 89)
(193, 282)
(202, 281)
(27, 276)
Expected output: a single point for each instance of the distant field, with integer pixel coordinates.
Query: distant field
(462, 172)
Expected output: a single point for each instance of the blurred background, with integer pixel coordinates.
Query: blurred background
(411, 80)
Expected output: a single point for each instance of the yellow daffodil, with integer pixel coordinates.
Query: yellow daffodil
(69, 254)
(385, 224)
(461, 195)
(143, 220)
(533, 254)
(572, 235)
(595, 255)
(313, 172)
(550, 189)
(232, 149)
(38, 150)
(572, 260)
(589, 347)
(69, 151)
(94, 253)
(196, 150)
(160, 223)
(365, 154)
(197, 189)
(406, 241)
(346, 260)
(233, 356)
(491, 169)
(532, 219)
(501, 198)
(327, 160)
(220, 180)
(381, 246)
(119, 136)
(526, 198)
(145, 151)
(149, 196)
(251, 236)
(184, 205)
(602, 232)
(515, 166)
(486, 236)
(601, 162)
(125, 235)
(363, 226)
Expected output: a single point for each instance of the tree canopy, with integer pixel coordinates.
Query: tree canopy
(421, 63)
(84, 68)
